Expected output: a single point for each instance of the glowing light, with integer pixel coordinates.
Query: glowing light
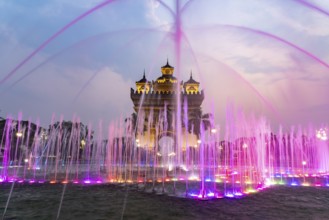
(171, 154)
(208, 180)
(64, 182)
(87, 181)
(199, 141)
(238, 194)
(251, 191)
(83, 142)
(193, 177)
(305, 184)
(213, 130)
(32, 181)
(304, 163)
(75, 181)
(184, 168)
(52, 182)
(294, 184)
(322, 134)
(26, 160)
(193, 195)
(211, 194)
(269, 182)
(244, 146)
(229, 195)
(19, 134)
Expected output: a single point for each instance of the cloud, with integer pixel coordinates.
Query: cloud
(157, 16)
(250, 66)
(53, 91)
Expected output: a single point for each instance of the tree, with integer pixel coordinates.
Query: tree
(69, 137)
(133, 123)
(198, 120)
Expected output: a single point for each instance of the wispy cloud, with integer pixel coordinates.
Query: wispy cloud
(252, 65)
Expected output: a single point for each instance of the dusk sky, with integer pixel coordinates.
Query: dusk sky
(269, 58)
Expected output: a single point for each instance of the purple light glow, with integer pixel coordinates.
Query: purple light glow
(211, 194)
(229, 195)
(238, 194)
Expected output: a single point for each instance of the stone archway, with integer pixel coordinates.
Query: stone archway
(167, 149)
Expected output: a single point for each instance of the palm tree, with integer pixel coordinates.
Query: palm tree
(198, 120)
(133, 122)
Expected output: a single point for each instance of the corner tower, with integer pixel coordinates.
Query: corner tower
(143, 85)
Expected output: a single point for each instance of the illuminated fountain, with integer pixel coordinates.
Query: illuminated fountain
(160, 148)
(194, 159)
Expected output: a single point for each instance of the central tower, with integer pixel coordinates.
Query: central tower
(155, 104)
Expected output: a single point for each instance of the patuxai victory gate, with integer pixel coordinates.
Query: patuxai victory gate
(157, 106)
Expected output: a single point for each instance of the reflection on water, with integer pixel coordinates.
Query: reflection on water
(41, 201)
